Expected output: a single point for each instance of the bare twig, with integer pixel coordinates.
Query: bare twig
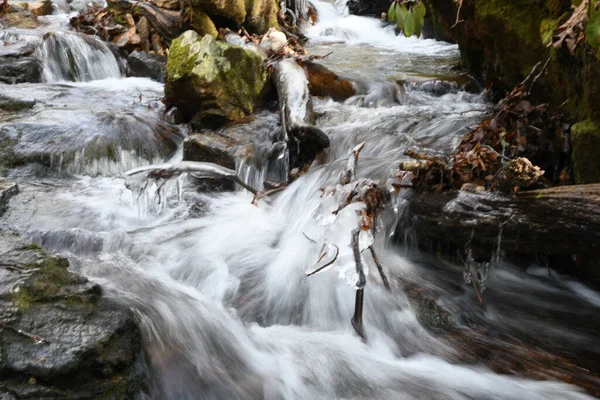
(538, 75)
(458, 20)
(37, 339)
(384, 278)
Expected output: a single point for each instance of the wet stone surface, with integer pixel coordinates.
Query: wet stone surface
(90, 345)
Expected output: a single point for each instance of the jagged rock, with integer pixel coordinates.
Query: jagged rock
(8, 189)
(213, 79)
(142, 64)
(91, 345)
(20, 70)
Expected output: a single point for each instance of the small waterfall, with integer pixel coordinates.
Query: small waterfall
(69, 56)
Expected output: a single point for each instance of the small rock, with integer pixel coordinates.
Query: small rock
(142, 64)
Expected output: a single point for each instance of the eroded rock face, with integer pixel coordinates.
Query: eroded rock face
(91, 346)
(213, 79)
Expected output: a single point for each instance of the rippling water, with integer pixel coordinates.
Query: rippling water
(219, 284)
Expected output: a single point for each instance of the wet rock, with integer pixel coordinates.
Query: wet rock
(84, 129)
(91, 345)
(211, 147)
(246, 146)
(585, 141)
(20, 70)
(213, 79)
(326, 83)
(142, 64)
(12, 105)
(8, 189)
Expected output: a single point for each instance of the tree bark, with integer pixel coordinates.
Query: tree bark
(562, 220)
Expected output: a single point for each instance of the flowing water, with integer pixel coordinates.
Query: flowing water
(219, 284)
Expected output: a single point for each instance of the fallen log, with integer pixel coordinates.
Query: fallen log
(564, 220)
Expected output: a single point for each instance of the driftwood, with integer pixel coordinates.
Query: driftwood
(563, 220)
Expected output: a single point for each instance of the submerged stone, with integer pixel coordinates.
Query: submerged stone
(213, 79)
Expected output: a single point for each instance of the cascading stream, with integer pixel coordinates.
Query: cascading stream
(74, 57)
(219, 284)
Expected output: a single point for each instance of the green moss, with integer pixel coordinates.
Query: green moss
(261, 15)
(233, 10)
(120, 19)
(33, 246)
(212, 77)
(585, 141)
(202, 24)
(510, 34)
(547, 28)
(47, 281)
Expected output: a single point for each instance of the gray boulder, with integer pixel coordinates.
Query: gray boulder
(88, 346)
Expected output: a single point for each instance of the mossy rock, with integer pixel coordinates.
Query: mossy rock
(213, 79)
(91, 346)
(202, 24)
(232, 10)
(261, 15)
(585, 141)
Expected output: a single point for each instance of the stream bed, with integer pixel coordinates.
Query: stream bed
(218, 284)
